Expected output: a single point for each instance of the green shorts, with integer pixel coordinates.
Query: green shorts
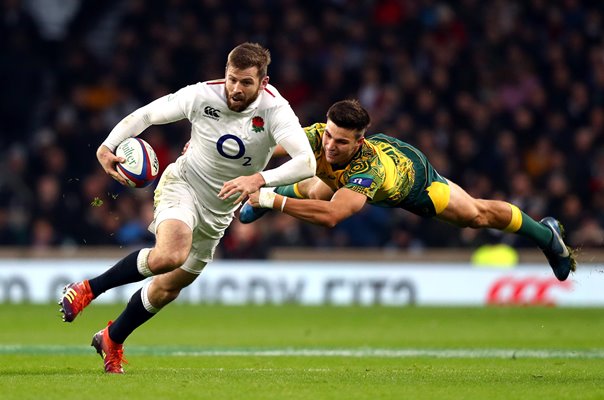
(430, 193)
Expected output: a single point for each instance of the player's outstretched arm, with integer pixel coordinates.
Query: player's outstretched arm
(343, 204)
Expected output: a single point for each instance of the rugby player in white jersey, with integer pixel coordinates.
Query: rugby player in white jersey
(236, 124)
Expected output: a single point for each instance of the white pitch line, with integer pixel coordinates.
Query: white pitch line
(305, 352)
(401, 353)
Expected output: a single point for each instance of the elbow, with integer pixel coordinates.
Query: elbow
(329, 221)
(331, 214)
(330, 224)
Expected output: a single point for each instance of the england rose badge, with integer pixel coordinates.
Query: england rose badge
(257, 124)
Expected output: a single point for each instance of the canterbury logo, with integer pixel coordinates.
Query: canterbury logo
(70, 295)
(211, 112)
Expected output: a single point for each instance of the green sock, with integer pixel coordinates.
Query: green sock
(288, 191)
(536, 231)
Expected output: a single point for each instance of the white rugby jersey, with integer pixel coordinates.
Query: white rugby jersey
(226, 144)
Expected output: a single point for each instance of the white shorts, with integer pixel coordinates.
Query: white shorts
(176, 199)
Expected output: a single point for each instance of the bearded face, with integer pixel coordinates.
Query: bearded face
(243, 87)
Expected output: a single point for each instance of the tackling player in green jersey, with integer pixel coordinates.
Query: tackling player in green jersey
(381, 170)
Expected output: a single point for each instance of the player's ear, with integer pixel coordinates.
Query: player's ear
(264, 82)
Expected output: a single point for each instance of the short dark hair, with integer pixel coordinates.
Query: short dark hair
(349, 114)
(248, 55)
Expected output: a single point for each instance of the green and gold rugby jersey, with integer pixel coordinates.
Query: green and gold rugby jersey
(390, 172)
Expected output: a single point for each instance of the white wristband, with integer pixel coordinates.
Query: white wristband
(283, 203)
(266, 197)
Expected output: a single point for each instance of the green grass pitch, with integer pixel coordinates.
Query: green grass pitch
(291, 352)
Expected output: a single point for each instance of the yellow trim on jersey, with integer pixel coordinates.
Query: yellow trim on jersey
(297, 191)
(516, 221)
(439, 194)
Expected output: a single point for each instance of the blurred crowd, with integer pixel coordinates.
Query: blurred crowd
(505, 97)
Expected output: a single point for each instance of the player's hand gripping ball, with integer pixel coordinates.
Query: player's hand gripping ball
(141, 166)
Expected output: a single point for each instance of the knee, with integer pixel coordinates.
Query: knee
(162, 261)
(477, 221)
(479, 217)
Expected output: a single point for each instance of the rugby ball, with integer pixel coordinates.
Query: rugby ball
(141, 166)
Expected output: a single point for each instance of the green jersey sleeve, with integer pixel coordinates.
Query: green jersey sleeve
(365, 175)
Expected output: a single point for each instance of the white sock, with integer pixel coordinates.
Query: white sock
(141, 262)
(145, 297)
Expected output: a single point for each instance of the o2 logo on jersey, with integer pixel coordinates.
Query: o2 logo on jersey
(247, 161)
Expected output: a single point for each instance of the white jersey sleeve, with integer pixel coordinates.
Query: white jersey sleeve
(166, 109)
(289, 134)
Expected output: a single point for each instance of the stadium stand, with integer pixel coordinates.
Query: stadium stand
(505, 97)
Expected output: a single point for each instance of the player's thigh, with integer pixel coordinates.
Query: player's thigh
(172, 246)
(461, 208)
(205, 240)
(175, 219)
(173, 235)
